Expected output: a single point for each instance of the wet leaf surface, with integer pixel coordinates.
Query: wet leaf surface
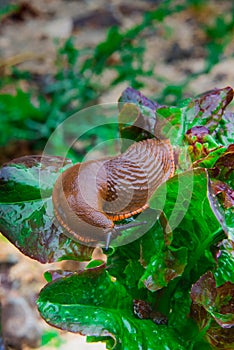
(94, 304)
(223, 168)
(171, 124)
(143, 310)
(221, 198)
(224, 192)
(189, 212)
(210, 159)
(164, 267)
(225, 130)
(225, 260)
(30, 177)
(26, 210)
(207, 110)
(217, 301)
(220, 338)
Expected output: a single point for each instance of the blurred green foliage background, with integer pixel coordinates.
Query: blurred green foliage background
(32, 112)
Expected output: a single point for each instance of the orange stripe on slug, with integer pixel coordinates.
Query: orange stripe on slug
(118, 217)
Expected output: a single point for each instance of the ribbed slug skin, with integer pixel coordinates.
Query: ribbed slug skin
(90, 196)
(133, 176)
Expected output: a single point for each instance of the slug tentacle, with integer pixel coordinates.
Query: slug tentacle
(89, 197)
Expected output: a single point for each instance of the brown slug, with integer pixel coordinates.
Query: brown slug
(90, 197)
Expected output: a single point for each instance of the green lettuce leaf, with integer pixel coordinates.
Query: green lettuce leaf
(164, 267)
(185, 200)
(93, 303)
(225, 130)
(202, 113)
(210, 159)
(171, 124)
(225, 258)
(26, 210)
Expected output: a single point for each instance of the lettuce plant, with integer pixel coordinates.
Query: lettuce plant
(171, 288)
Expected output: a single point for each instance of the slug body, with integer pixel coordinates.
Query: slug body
(90, 197)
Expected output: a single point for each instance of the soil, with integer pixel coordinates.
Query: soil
(27, 41)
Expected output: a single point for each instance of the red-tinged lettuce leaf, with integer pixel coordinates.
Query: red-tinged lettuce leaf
(144, 311)
(94, 304)
(164, 266)
(220, 338)
(133, 125)
(137, 115)
(196, 118)
(201, 143)
(200, 316)
(224, 192)
(223, 168)
(197, 134)
(222, 189)
(130, 95)
(138, 119)
(30, 177)
(225, 259)
(52, 275)
(211, 158)
(185, 200)
(217, 301)
(224, 211)
(208, 109)
(210, 331)
(26, 219)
